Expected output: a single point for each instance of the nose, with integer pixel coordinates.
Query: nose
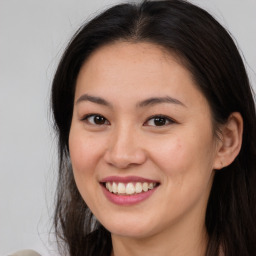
(125, 149)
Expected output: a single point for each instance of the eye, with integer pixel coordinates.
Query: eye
(158, 121)
(96, 119)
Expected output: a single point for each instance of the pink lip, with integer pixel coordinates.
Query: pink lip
(127, 199)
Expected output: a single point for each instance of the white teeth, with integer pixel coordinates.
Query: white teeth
(138, 187)
(145, 186)
(121, 188)
(151, 186)
(114, 187)
(109, 187)
(129, 188)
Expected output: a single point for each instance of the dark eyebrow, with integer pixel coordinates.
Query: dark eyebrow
(98, 100)
(158, 100)
(148, 102)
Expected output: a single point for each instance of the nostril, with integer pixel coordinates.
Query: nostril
(123, 159)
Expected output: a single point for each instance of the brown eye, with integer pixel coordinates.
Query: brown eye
(99, 120)
(96, 119)
(159, 121)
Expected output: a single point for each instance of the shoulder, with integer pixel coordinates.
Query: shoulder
(25, 253)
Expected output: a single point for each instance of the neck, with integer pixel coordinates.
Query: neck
(188, 241)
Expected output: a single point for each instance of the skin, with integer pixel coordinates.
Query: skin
(181, 155)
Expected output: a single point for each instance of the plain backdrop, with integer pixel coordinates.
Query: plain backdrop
(33, 35)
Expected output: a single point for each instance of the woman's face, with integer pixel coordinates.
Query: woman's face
(142, 129)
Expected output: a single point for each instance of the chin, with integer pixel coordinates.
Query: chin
(130, 229)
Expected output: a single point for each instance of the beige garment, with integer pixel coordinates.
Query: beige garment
(25, 253)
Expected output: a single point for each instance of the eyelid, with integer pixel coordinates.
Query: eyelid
(87, 116)
(170, 120)
(167, 118)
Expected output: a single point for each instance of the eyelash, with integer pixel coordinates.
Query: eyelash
(167, 120)
(86, 119)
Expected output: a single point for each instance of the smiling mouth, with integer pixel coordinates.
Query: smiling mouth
(130, 188)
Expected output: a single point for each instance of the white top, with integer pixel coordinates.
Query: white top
(25, 253)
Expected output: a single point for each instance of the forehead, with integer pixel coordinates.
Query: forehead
(135, 53)
(136, 70)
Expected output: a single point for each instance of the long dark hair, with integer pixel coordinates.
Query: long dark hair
(209, 53)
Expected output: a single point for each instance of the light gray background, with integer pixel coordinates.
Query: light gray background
(33, 35)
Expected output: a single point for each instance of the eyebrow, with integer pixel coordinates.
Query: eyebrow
(98, 100)
(148, 102)
(157, 100)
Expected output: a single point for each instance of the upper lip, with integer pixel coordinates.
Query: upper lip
(127, 179)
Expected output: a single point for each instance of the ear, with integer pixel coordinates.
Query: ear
(230, 142)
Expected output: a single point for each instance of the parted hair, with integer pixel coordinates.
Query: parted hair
(208, 51)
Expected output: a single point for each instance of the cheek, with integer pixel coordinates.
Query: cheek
(186, 169)
(184, 155)
(170, 154)
(84, 151)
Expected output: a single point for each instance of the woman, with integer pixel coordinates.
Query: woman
(156, 125)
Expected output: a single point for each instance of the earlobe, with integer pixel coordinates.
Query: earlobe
(231, 141)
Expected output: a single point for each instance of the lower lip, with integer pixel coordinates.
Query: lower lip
(127, 200)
